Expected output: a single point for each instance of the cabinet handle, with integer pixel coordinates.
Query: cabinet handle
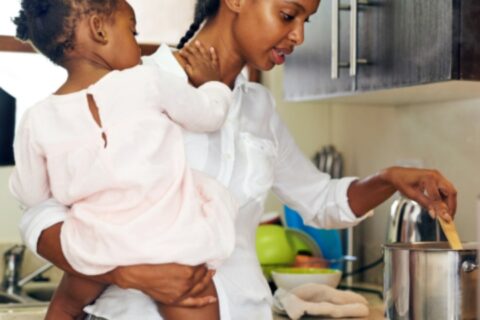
(354, 60)
(334, 61)
(353, 37)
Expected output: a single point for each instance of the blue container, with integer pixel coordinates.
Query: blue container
(328, 240)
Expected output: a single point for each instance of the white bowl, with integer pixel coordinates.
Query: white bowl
(289, 278)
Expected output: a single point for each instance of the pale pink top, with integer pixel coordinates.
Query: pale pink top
(133, 200)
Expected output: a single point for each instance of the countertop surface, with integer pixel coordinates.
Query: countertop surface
(38, 312)
(23, 313)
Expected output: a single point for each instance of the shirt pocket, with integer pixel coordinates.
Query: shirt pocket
(259, 155)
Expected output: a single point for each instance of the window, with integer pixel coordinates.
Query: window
(8, 10)
(27, 77)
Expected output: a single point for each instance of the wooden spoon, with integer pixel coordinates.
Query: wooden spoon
(451, 233)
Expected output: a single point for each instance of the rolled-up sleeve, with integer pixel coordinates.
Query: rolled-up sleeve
(36, 219)
(320, 200)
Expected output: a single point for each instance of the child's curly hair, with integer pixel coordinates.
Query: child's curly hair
(50, 24)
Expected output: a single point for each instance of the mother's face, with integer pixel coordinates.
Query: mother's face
(267, 30)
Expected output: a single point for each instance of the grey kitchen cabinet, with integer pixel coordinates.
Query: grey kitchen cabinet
(308, 70)
(395, 43)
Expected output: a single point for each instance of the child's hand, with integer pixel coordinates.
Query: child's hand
(202, 64)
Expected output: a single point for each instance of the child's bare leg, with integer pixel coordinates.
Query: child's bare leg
(71, 296)
(208, 312)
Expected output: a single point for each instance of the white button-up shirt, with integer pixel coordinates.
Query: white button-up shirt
(251, 154)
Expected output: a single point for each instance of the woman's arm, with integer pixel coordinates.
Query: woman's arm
(428, 187)
(332, 203)
(170, 283)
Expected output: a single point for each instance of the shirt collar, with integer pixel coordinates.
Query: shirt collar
(241, 82)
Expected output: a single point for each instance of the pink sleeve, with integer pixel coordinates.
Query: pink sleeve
(202, 109)
(29, 181)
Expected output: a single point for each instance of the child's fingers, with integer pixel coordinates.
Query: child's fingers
(186, 55)
(201, 49)
(193, 58)
(193, 50)
(188, 69)
(213, 56)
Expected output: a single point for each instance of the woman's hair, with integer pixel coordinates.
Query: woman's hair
(204, 9)
(50, 24)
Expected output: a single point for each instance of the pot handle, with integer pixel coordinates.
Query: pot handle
(469, 266)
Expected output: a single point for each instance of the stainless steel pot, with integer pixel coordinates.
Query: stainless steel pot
(429, 281)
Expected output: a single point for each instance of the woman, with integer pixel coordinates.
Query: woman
(251, 154)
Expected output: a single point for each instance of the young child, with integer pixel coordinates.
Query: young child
(108, 144)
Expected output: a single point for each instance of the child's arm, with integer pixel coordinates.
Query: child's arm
(203, 109)
(29, 180)
(199, 110)
(71, 296)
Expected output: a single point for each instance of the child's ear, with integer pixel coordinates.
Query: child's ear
(97, 29)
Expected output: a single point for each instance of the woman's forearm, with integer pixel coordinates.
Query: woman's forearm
(50, 248)
(368, 193)
(169, 283)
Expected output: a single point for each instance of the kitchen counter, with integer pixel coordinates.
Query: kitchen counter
(37, 312)
(23, 312)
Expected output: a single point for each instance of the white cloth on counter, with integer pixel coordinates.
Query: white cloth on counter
(252, 153)
(320, 300)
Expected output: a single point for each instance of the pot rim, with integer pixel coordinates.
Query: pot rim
(437, 246)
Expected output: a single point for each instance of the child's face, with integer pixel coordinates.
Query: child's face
(123, 47)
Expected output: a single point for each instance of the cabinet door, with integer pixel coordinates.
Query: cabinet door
(308, 70)
(407, 42)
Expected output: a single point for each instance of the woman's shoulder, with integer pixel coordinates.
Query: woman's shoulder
(259, 98)
(258, 111)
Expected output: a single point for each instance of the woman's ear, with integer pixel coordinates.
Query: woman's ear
(97, 29)
(235, 5)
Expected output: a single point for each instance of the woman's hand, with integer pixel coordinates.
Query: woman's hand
(428, 187)
(169, 284)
